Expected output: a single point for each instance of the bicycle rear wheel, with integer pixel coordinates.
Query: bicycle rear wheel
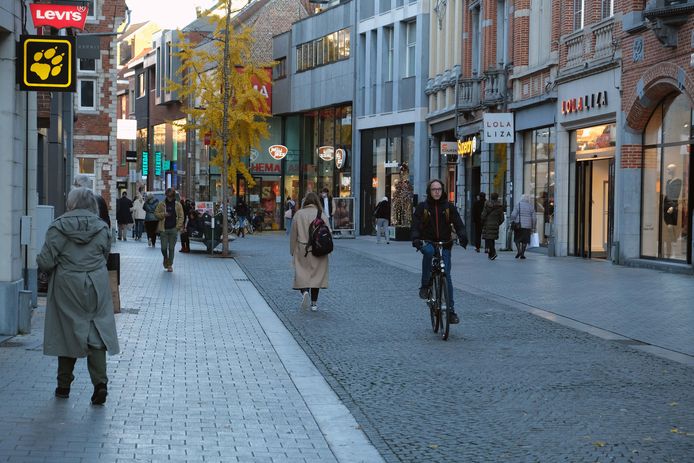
(444, 306)
(433, 308)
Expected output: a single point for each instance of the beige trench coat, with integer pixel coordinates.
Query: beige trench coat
(309, 271)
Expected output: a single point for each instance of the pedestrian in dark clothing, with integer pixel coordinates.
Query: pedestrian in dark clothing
(477, 208)
(123, 215)
(382, 215)
(151, 220)
(83, 181)
(492, 218)
(185, 239)
(242, 214)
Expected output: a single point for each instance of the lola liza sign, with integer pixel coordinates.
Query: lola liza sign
(498, 128)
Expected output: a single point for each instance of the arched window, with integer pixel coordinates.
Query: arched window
(666, 200)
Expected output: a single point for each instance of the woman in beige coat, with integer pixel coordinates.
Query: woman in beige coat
(310, 272)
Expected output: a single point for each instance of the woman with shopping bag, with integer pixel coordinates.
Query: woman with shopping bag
(523, 222)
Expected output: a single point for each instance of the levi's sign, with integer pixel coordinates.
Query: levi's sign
(59, 16)
(498, 128)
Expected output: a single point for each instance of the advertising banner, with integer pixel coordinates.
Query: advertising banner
(46, 63)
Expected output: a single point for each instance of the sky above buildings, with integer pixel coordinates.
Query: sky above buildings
(168, 14)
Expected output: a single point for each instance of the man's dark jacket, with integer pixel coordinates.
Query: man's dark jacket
(431, 222)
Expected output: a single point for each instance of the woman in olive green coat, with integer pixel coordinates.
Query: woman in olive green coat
(79, 308)
(492, 218)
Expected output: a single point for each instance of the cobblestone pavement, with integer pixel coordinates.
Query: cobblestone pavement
(507, 386)
(198, 380)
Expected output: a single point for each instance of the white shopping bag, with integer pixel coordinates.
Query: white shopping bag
(534, 241)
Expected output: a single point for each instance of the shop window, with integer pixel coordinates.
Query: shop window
(538, 176)
(666, 167)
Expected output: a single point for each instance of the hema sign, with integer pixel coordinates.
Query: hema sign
(498, 128)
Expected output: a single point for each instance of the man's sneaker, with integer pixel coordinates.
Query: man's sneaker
(314, 307)
(62, 392)
(304, 300)
(424, 292)
(453, 317)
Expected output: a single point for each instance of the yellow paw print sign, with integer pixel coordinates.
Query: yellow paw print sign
(47, 63)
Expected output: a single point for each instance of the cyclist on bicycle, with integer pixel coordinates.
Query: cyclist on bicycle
(432, 221)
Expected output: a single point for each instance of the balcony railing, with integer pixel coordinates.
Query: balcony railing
(576, 49)
(494, 86)
(602, 36)
(468, 93)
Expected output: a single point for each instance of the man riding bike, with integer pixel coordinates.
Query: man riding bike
(432, 221)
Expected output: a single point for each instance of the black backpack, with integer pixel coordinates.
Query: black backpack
(320, 239)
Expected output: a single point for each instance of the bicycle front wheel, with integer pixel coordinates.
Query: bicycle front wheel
(444, 307)
(433, 307)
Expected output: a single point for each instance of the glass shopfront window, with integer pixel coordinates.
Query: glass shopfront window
(538, 176)
(666, 196)
(386, 149)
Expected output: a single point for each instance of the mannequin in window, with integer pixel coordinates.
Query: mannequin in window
(673, 189)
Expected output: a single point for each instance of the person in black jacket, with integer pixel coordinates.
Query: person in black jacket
(477, 208)
(124, 216)
(432, 221)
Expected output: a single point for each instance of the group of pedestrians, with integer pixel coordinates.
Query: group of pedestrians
(488, 215)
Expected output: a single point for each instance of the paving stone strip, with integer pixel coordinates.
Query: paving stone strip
(507, 386)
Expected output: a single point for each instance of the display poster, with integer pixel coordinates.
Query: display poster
(343, 213)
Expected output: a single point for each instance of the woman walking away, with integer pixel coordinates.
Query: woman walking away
(492, 217)
(151, 221)
(139, 215)
(310, 272)
(79, 308)
(382, 215)
(524, 215)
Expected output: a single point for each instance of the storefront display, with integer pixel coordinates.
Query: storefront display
(538, 176)
(666, 195)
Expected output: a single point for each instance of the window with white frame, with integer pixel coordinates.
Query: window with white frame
(390, 45)
(86, 94)
(411, 41)
(607, 8)
(502, 30)
(579, 13)
(476, 39)
(140, 86)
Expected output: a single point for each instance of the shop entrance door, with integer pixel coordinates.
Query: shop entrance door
(594, 208)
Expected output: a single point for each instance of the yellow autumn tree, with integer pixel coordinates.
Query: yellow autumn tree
(216, 88)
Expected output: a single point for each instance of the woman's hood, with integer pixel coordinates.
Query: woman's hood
(79, 226)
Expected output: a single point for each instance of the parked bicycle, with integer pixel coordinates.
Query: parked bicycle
(438, 300)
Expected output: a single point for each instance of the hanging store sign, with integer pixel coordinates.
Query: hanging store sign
(391, 165)
(46, 63)
(157, 163)
(498, 128)
(278, 151)
(584, 103)
(467, 147)
(145, 163)
(126, 129)
(449, 147)
(340, 158)
(131, 156)
(326, 153)
(59, 16)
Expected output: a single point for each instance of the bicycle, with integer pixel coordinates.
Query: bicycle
(438, 300)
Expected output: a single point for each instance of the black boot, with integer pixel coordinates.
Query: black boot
(100, 393)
